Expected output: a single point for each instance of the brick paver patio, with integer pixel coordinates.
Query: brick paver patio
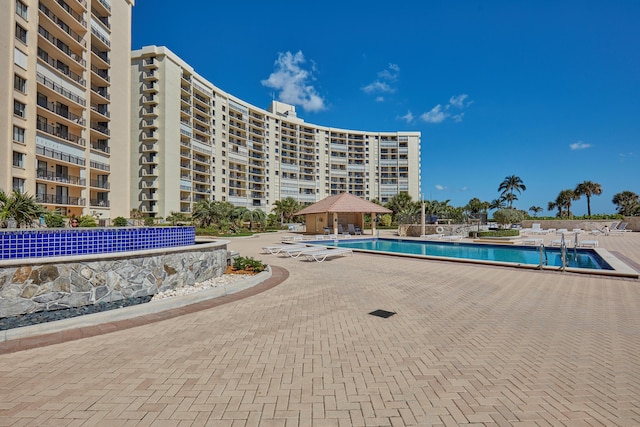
(468, 344)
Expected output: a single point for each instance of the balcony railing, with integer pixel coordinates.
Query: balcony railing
(60, 66)
(102, 73)
(100, 127)
(61, 46)
(60, 133)
(64, 27)
(101, 109)
(100, 54)
(72, 12)
(101, 145)
(100, 37)
(57, 88)
(67, 179)
(58, 109)
(99, 203)
(53, 199)
(99, 184)
(54, 154)
(102, 91)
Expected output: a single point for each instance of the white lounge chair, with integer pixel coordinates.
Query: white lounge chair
(274, 250)
(451, 238)
(534, 242)
(621, 228)
(536, 229)
(588, 243)
(432, 236)
(320, 256)
(296, 252)
(558, 242)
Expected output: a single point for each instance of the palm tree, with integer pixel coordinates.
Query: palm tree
(588, 189)
(286, 208)
(256, 216)
(21, 207)
(509, 185)
(563, 203)
(499, 203)
(627, 203)
(399, 202)
(536, 210)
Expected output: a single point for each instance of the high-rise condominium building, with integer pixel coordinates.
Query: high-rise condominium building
(192, 141)
(66, 66)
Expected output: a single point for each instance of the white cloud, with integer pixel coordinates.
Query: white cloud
(377, 86)
(439, 114)
(379, 98)
(436, 115)
(440, 187)
(458, 101)
(383, 84)
(292, 82)
(579, 145)
(408, 117)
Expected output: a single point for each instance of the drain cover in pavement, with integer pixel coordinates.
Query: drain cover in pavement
(382, 313)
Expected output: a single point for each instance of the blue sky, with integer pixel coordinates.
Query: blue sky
(545, 90)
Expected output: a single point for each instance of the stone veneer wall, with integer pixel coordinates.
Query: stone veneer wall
(40, 284)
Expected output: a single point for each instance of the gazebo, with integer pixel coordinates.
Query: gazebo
(343, 209)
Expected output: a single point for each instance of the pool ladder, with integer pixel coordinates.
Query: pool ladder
(544, 258)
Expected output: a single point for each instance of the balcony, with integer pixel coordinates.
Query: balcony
(99, 203)
(61, 133)
(62, 25)
(149, 63)
(101, 109)
(100, 127)
(97, 183)
(78, 17)
(57, 155)
(62, 111)
(101, 145)
(53, 199)
(103, 55)
(40, 78)
(60, 67)
(61, 46)
(54, 177)
(102, 73)
(101, 90)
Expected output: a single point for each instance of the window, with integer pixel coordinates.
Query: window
(18, 159)
(18, 184)
(21, 34)
(18, 134)
(19, 108)
(19, 83)
(21, 9)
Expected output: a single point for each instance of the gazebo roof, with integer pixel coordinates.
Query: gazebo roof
(344, 202)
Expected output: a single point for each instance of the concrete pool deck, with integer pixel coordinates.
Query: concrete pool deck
(469, 344)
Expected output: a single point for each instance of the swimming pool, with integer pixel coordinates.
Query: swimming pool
(508, 254)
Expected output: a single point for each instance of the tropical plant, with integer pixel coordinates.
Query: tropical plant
(476, 206)
(563, 203)
(286, 209)
(248, 264)
(53, 219)
(207, 212)
(21, 207)
(499, 203)
(508, 186)
(87, 221)
(399, 203)
(119, 221)
(627, 203)
(536, 210)
(149, 221)
(177, 217)
(588, 189)
(255, 217)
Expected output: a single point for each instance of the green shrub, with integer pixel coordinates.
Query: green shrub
(496, 233)
(87, 221)
(149, 221)
(54, 220)
(119, 222)
(509, 216)
(248, 264)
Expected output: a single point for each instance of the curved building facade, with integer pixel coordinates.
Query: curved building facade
(193, 141)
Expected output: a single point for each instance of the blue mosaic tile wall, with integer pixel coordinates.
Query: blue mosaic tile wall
(17, 244)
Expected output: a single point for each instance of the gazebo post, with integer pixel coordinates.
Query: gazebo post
(373, 223)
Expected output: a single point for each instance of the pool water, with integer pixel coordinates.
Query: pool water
(580, 258)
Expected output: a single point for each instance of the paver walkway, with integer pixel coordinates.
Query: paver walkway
(468, 344)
